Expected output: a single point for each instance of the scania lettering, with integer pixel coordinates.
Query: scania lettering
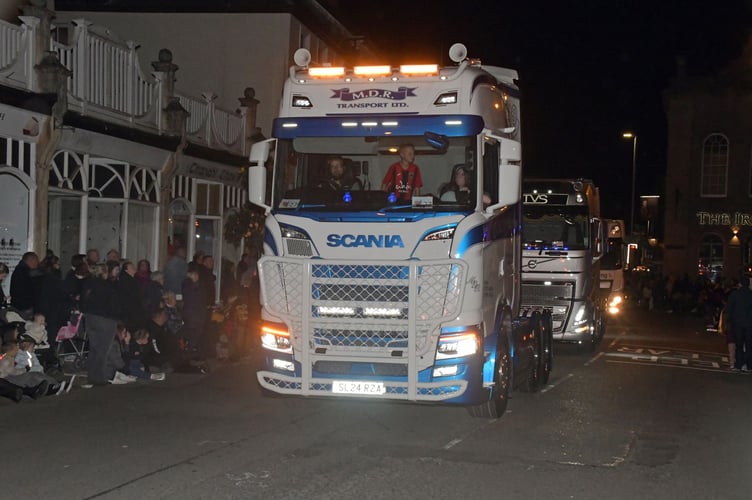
(386, 295)
(562, 244)
(612, 265)
(363, 240)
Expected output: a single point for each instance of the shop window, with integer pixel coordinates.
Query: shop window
(710, 258)
(208, 199)
(141, 238)
(714, 166)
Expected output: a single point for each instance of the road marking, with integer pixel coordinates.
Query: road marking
(594, 358)
(685, 367)
(613, 342)
(551, 386)
(452, 443)
(456, 441)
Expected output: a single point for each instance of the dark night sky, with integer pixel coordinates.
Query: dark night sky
(589, 69)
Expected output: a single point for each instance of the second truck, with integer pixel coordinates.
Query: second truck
(562, 243)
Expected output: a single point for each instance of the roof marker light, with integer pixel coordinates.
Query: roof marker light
(349, 124)
(372, 70)
(389, 124)
(326, 71)
(453, 122)
(289, 125)
(369, 124)
(419, 69)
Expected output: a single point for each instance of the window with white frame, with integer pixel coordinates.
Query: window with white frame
(714, 174)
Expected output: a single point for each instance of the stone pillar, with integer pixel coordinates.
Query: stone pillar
(248, 106)
(38, 15)
(175, 117)
(52, 78)
(165, 73)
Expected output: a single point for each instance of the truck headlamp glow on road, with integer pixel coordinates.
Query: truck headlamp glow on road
(455, 346)
(275, 338)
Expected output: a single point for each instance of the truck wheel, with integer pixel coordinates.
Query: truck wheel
(496, 406)
(547, 341)
(535, 377)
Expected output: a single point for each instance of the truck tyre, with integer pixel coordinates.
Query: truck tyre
(497, 403)
(547, 341)
(535, 376)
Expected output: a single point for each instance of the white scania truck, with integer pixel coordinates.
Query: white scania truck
(563, 241)
(368, 293)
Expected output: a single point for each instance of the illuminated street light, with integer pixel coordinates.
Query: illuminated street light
(633, 136)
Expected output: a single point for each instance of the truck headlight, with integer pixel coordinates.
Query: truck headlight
(581, 317)
(456, 346)
(276, 338)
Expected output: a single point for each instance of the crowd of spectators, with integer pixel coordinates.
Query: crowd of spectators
(700, 296)
(139, 323)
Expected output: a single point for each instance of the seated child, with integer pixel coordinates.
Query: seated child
(136, 352)
(33, 384)
(37, 329)
(27, 358)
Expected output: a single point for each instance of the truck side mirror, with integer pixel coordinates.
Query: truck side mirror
(257, 173)
(598, 247)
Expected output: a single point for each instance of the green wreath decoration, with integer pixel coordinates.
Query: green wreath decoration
(244, 223)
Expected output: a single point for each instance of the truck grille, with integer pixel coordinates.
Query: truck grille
(361, 308)
(555, 297)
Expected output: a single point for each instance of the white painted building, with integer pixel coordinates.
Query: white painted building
(96, 147)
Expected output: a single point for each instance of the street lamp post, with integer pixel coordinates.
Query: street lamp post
(633, 136)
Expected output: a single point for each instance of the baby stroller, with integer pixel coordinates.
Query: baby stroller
(72, 344)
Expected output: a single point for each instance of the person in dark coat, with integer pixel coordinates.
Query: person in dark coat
(739, 314)
(25, 284)
(129, 292)
(101, 305)
(54, 303)
(194, 308)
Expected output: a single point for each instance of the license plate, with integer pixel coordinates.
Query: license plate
(357, 387)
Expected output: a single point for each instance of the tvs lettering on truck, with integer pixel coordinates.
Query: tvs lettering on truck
(535, 198)
(391, 95)
(365, 240)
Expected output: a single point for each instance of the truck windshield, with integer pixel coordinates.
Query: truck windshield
(342, 174)
(565, 228)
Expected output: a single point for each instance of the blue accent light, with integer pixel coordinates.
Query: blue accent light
(347, 197)
(392, 198)
(329, 126)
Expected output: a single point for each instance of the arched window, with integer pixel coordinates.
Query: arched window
(710, 256)
(714, 173)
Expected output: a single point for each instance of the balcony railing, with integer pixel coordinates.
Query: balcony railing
(107, 82)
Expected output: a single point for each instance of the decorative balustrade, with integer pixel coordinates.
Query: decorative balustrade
(16, 52)
(108, 83)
